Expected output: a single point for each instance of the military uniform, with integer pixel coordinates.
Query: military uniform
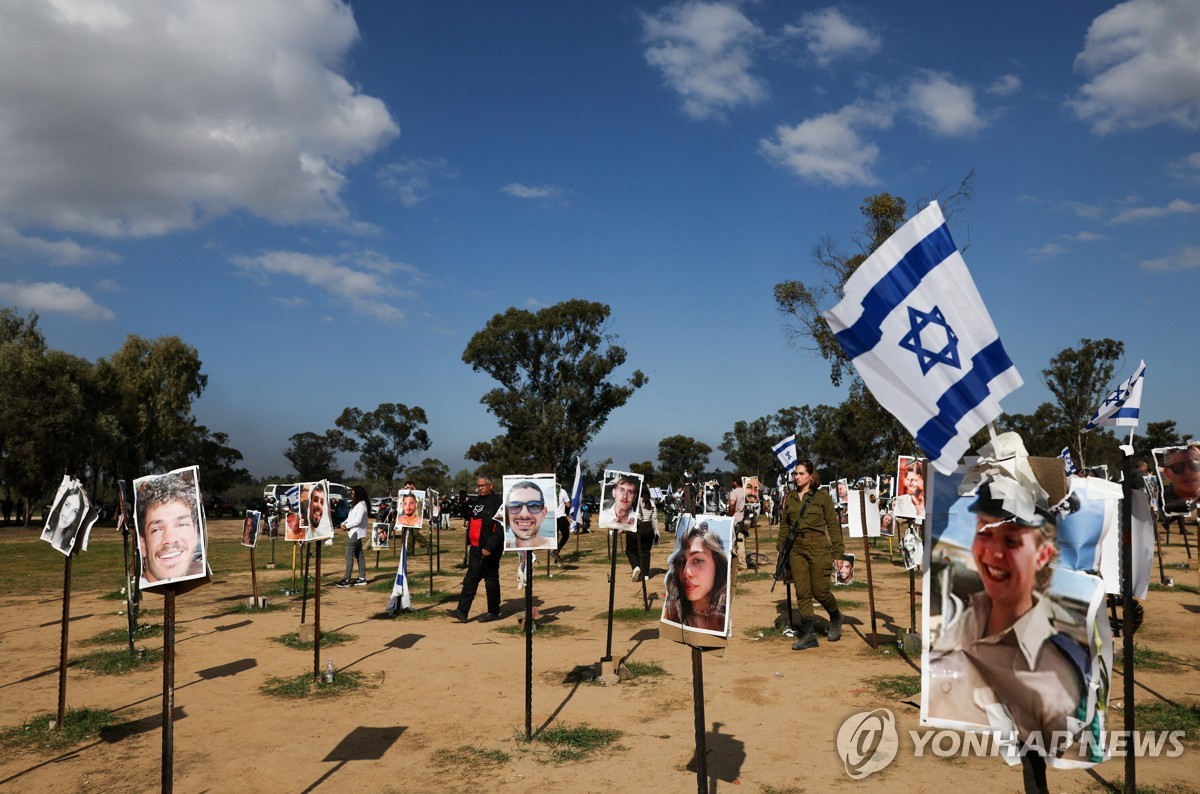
(1033, 676)
(818, 542)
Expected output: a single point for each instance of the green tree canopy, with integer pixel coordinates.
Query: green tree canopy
(677, 454)
(748, 448)
(1079, 377)
(429, 473)
(315, 457)
(554, 367)
(384, 437)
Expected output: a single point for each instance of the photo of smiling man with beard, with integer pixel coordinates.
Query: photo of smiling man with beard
(169, 528)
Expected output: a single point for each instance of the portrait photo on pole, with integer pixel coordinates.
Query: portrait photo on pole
(293, 526)
(698, 585)
(410, 508)
(1178, 477)
(250, 528)
(315, 511)
(911, 547)
(841, 492)
(619, 495)
(753, 491)
(910, 488)
(170, 529)
(529, 511)
(844, 574)
(1012, 642)
(68, 514)
(887, 525)
(379, 535)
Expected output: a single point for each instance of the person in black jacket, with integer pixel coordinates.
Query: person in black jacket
(485, 536)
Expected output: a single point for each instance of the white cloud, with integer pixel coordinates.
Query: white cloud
(362, 280)
(411, 180)
(1187, 258)
(829, 36)
(109, 285)
(140, 118)
(517, 190)
(1046, 251)
(55, 252)
(53, 298)
(828, 148)
(1186, 168)
(1007, 85)
(1084, 237)
(942, 105)
(704, 51)
(1176, 207)
(1141, 60)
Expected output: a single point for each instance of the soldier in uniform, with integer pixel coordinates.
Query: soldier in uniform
(1011, 658)
(815, 534)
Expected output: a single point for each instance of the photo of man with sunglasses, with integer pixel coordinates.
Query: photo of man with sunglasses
(528, 517)
(1179, 474)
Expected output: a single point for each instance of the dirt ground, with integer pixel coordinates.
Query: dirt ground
(435, 686)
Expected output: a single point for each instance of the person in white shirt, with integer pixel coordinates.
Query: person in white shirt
(356, 532)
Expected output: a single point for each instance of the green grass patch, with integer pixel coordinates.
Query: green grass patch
(117, 662)
(649, 669)
(632, 615)
(855, 585)
(767, 789)
(115, 595)
(575, 744)
(119, 636)
(1148, 659)
(382, 586)
(767, 633)
(1169, 717)
(1183, 588)
(303, 685)
(79, 725)
(476, 759)
(554, 629)
(411, 614)
(329, 639)
(246, 608)
(438, 597)
(849, 603)
(750, 575)
(896, 686)
(1118, 785)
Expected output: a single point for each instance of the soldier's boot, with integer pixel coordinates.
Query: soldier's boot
(808, 635)
(835, 625)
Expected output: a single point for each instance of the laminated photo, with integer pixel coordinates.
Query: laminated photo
(1178, 477)
(698, 585)
(410, 508)
(910, 488)
(854, 514)
(619, 495)
(315, 511)
(887, 525)
(380, 535)
(69, 512)
(1012, 643)
(844, 574)
(751, 487)
(250, 528)
(170, 529)
(293, 527)
(911, 547)
(529, 513)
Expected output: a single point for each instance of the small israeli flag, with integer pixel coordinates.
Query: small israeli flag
(786, 452)
(576, 493)
(1067, 462)
(1124, 406)
(920, 335)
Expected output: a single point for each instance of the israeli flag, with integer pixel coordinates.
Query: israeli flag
(916, 328)
(1124, 406)
(576, 493)
(786, 452)
(1067, 462)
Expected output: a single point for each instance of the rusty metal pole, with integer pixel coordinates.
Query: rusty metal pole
(253, 578)
(168, 700)
(317, 618)
(62, 653)
(862, 506)
(698, 706)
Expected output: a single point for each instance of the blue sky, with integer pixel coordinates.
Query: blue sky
(328, 200)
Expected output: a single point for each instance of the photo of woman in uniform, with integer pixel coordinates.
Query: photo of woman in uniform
(1005, 650)
(697, 579)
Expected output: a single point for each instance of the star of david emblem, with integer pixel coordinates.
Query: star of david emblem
(1116, 397)
(920, 321)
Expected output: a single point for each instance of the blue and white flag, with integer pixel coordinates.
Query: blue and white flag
(1067, 462)
(786, 452)
(916, 328)
(576, 493)
(1124, 406)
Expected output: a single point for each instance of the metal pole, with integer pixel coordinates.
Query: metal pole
(62, 653)
(431, 559)
(528, 563)
(912, 599)
(168, 701)
(698, 705)
(438, 530)
(1162, 575)
(757, 557)
(862, 507)
(130, 618)
(317, 618)
(612, 591)
(304, 598)
(1127, 622)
